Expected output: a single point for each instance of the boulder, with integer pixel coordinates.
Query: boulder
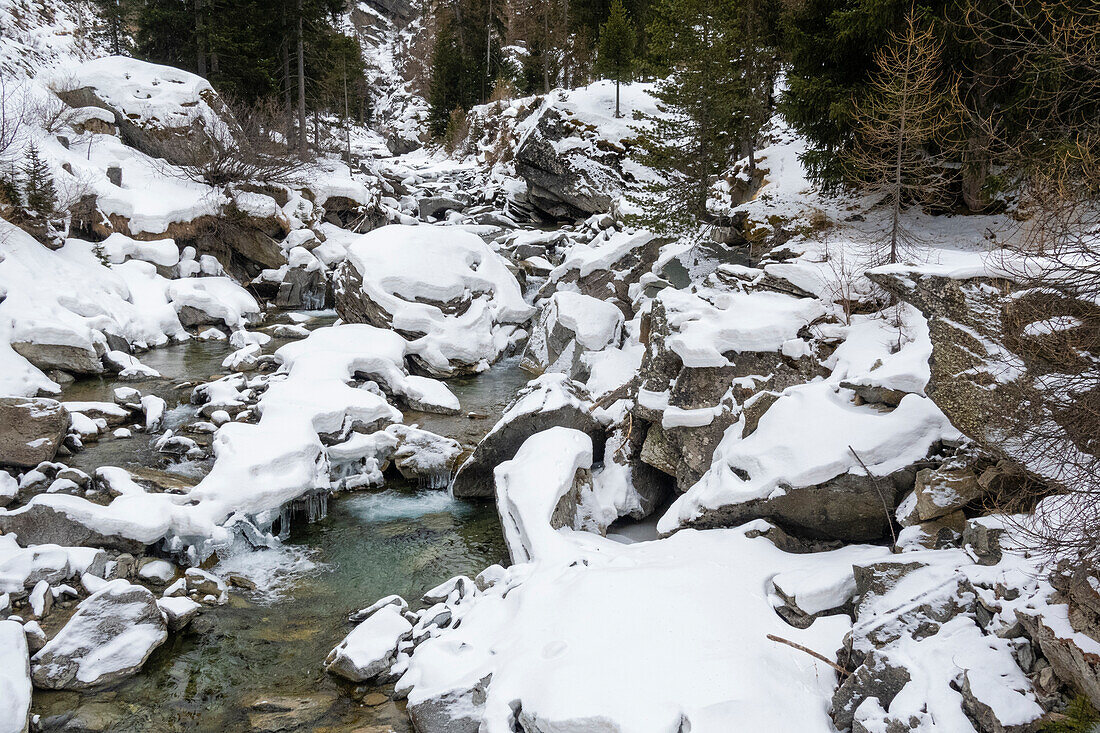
(424, 456)
(433, 206)
(941, 492)
(31, 430)
(457, 711)
(371, 648)
(162, 111)
(570, 325)
(567, 182)
(73, 358)
(607, 267)
(551, 400)
(40, 523)
(109, 638)
(178, 611)
(459, 315)
(876, 678)
(1074, 656)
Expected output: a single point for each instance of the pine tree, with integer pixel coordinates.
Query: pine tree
(465, 58)
(616, 52)
(115, 14)
(895, 124)
(703, 105)
(39, 192)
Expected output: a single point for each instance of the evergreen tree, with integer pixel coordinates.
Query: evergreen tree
(115, 14)
(616, 52)
(465, 58)
(702, 105)
(39, 192)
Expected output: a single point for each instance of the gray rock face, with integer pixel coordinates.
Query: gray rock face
(30, 430)
(848, 507)
(556, 185)
(108, 639)
(549, 401)
(41, 524)
(67, 358)
(455, 712)
(986, 363)
(302, 288)
(434, 206)
(876, 677)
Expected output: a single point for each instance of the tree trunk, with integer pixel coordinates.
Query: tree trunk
(303, 142)
(200, 39)
(617, 113)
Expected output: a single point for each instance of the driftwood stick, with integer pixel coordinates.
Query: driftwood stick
(843, 672)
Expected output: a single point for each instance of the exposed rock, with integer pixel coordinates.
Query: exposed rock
(424, 456)
(935, 534)
(433, 206)
(458, 711)
(30, 430)
(278, 713)
(549, 401)
(877, 678)
(848, 507)
(120, 617)
(71, 358)
(607, 268)
(42, 524)
(944, 491)
(571, 182)
(1074, 656)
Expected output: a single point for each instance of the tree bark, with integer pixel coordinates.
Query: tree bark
(303, 141)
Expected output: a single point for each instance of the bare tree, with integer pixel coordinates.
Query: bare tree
(1051, 322)
(250, 148)
(896, 121)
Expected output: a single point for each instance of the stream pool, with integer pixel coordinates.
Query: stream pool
(255, 664)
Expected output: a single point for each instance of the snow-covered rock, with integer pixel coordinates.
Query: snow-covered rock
(371, 648)
(539, 489)
(549, 401)
(109, 638)
(571, 324)
(154, 106)
(460, 314)
(178, 611)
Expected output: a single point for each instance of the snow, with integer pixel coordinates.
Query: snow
(807, 438)
(15, 678)
(391, 261)
(633, 638)
(530, 486)
(711, 323)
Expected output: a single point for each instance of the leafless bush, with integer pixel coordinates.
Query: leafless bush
(250, 148)
(13, 115)
(1051, 324)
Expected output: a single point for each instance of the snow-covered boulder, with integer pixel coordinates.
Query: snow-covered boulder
(178, 611)
(213, 301)
(551, 400)
(424, 456)
(371, 648)
(15, 679)
(538, 491)
(443, 289)
(571, 324)
(571, 150)
(607, 268)
(31, 430)
(803, 466)
(155, 107)
(109, 638)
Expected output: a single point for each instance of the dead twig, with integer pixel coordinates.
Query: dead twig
(878, 490)
(843, 672)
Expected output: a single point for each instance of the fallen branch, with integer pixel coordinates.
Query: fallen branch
(843, 672)
(878, 490)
